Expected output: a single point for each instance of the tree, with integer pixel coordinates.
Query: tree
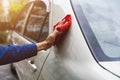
(15, 8)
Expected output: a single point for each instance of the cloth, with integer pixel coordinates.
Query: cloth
(67, 22)
(14, 53)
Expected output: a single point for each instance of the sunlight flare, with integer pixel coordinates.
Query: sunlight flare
(5, 3)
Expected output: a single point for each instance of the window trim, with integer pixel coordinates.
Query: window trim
(43, 25)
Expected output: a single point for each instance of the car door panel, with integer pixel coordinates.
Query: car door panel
(18, 39)
(25, 70)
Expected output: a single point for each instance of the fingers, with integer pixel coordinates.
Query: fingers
(61, 23)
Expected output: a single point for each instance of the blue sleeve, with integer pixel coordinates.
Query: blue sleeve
(14, 53)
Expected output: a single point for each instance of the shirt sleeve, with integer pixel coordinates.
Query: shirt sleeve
(14, 53)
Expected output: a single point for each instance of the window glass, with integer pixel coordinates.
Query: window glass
(21, 19)
(45, 30)
(36, 21)
(103, 17)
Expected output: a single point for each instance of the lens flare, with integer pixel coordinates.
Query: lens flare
(5, 15)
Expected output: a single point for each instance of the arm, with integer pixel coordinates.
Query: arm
(14, 53)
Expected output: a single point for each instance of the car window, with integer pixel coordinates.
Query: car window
(45, 30)
(36, 21)
(99, 20)
(19, 26)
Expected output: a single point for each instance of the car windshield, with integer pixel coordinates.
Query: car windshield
(103, 17)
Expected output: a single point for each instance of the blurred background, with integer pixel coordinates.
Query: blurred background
(9, 10)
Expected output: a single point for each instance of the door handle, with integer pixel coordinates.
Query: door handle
(33, 67)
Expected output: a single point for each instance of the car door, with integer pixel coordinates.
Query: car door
(54, 67)
(31, 27)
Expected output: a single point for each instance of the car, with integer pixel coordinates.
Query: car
(88, 51)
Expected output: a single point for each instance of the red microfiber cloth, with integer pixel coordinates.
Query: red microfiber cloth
(67, 21)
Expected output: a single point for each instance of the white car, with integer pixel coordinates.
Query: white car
(89, 51)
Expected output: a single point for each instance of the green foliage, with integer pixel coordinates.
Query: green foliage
(15, 8)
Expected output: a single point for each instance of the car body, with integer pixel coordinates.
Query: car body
(82, 52)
